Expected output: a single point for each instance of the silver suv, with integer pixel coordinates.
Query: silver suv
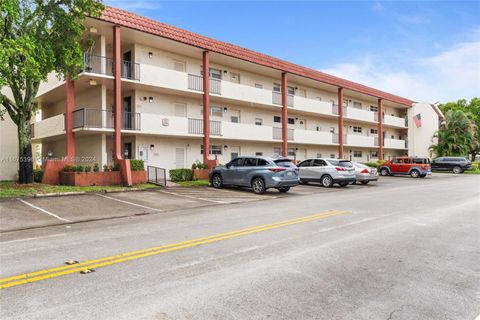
(327, 171)
(259, 173)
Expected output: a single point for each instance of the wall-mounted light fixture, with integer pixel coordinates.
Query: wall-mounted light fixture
(225, 147)
(225, 109)
(150, 55)
(93, 82)
(151, 147)
(150, 99)
(49, 154)
(225, 71)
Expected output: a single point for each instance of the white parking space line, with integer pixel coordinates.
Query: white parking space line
(191, 197)
(35, 238)
(130, 203)
(43, 210)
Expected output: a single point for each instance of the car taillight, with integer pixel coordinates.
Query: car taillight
(364, 171)
(340, 169)
(277, 169)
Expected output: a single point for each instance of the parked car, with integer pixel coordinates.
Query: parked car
(364, 174)
(454, 164)
(326, 171)
(415, 167)
(259, 173)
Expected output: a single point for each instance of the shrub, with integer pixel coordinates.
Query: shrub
(105, 168)
(78, 168)
(371, 164)
(198, 165)
(37, 175)
(115, 167)
(137, 165)
(68, 169)
(88, 168)
(181, 175)
(96, 167)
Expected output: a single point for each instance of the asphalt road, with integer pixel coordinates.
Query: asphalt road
(403, 249)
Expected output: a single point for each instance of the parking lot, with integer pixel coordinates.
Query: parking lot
(25, 213)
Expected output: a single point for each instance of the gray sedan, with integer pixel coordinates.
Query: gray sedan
(259, 173)
(364, 174)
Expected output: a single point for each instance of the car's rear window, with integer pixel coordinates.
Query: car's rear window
(360, 165)
(341, 163)
(284, 163)
(421, 160)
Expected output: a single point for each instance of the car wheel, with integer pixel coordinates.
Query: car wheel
(353, 182)
(258, 186)
(365, 182)
(283, 189)
(384, 172)
(414, 173)
(217, 181)
(457, 170)
(326, 181)
(343, 184)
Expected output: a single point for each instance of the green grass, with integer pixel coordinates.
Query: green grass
(194, 183)
(475, 171)
(11, 189)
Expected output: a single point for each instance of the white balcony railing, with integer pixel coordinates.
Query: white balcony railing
(49, 127)
(314, 106)
(359, 114)
(360, 141)
(313, 137)
(277, 99)
(244, 131)
(277, 134)
(394, 143)
(394, 121)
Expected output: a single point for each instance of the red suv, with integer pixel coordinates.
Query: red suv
(415, 167)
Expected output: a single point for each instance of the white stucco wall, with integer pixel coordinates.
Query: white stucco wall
(420, 139)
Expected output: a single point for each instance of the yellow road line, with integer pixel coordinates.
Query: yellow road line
(133, 255)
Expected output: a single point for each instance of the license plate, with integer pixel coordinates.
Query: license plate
(289, 174)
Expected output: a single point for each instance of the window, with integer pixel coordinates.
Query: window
(259, 154)
(258, 85)
(407, 160)
(236, 162)
(291, 91)
(291, 152)
(357, 154)
(277, 119)
(374, 154)
(235, 119)
(277, 151)
(250, 162)
(215, 73)
(319, 155)
(318, 163)
(374, 131)
(214, 149)
(345, 102)
(357, 129)
(235, 77)
(277, 87)
(332, 129)
(262, 162)
(179, 65)
(305, 163)
(302, 93)
(332, 156)
(357, 105)
(291, 121)
(397, 161)
(374, 108)
(258, 121)
(216, 112)
(180, 109)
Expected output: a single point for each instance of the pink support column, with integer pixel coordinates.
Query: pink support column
(206, 107)
(117, 95)
(380, 129)
(284, 116)
(340, 123)
(70, 136)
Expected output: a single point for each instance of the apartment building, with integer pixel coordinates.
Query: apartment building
(171, 97)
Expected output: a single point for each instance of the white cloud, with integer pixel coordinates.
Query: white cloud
(450, 75)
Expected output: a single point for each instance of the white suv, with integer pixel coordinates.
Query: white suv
(327, 171)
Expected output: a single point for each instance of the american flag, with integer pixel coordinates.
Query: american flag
(418, 120)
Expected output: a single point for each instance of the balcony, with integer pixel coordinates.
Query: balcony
(246, 93)
(394, 121)
(86, 118)
(196, 83)
(244, 131)
(277, 134)
(394, 144)
(313, 106)
(195, 126)
(313, 137)
(359, 114)
(105, 66)
(359, 140)
(49, 127)
(277, 99)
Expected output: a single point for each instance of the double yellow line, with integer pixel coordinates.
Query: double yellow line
(133, 255)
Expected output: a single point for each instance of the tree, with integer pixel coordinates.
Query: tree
(455, 136)
(36, 38)
(472, 110)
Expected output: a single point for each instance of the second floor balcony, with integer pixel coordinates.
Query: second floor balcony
(105, 66)
(92, 119)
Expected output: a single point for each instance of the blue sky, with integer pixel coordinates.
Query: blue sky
(423, 50)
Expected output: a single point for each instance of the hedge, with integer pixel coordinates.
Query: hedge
(137, 165)
(181, 175)
(37, 175)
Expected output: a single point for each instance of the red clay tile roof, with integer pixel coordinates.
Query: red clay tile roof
(130, 20)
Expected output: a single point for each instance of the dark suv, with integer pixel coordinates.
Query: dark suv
(454, 164)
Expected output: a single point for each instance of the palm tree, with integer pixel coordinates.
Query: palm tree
(455, 136)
